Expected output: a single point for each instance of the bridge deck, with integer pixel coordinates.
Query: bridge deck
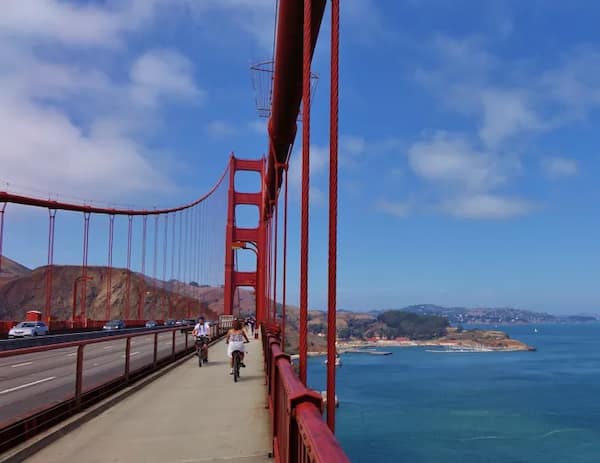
(189, 415)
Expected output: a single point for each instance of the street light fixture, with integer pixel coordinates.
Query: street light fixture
(245, 245)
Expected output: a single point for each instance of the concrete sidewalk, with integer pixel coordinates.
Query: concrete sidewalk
(189, 415)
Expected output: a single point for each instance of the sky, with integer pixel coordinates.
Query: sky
(468, 145)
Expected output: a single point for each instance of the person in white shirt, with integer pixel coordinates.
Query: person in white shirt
(202, 328)
(201, 331)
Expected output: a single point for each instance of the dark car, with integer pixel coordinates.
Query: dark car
(190, 321)
(114, 325)
(170, 322)
(151, 324)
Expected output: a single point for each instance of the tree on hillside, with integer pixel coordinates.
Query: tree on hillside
(412, 325)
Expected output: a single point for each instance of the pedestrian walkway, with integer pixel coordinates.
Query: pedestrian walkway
(189, 415)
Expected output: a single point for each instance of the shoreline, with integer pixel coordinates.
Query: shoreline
(513, 346)
(344, 347)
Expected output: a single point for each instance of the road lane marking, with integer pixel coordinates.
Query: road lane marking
(131, 355)
(12, 389)
(108, 347)
(21, 364)
(95, 364)
(71, 354)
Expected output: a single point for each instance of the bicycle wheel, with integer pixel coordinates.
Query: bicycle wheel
(236, 366)
(199, 353)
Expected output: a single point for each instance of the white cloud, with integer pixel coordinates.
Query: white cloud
(452, 160)
(319, 157)
(487, 206)
(395, 208)
(72, 24)
(352, 144)
(505, 114)
(511, 99)
(258, 126)
(254, 17)
(560, 167)
(70, 129)
(162, 73)
(466, 180)
(220, 129)
(57, 156)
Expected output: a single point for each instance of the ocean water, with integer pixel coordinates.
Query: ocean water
(516, 407)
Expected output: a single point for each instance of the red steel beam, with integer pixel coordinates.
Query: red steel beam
(6, 197)
(287, 85)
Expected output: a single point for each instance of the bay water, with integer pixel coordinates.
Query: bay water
(485, 407)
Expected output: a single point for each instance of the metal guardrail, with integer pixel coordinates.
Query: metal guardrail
(299, 433)
(39, 420)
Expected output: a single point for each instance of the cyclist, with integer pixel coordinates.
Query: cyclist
(201, 332)
(235, 341)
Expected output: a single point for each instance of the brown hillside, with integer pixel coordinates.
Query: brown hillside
(27, 292)
(11, 270)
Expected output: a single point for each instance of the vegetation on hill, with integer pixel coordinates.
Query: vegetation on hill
(412, 325)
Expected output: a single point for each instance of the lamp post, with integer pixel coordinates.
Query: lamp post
(249, 245)
(244, 245)
(75, 282)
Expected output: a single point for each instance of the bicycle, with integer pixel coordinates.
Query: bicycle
(237, 362)
(202, 349)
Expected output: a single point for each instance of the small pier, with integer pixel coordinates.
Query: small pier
(365, 351)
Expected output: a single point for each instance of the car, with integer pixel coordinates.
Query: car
(170, 322)
(190, 321)
(114, 325)
(151, 324)
(31, 328)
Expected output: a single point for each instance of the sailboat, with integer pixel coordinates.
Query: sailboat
(338, 360)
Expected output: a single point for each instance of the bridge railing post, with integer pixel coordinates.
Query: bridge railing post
(127, 357)
(155, 357)
(79, 376)
(173, 345)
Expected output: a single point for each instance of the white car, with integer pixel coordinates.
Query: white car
(28, 329)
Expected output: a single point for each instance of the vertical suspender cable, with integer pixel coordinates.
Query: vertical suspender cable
(275, 230)
(111, 233)
(197, 261)
(48, 290)
(333, 210)
(276, 218)
(84, 265)
(164, 266)
(268, 278)
(128, 283)
(303, 342)
(143, 282)
(171, 292)
(179, 258)
(154, 269)
(186, 214)
(2, 209)
(284, 283)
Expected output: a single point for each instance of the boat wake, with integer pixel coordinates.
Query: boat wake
(481, 438)
(557, 431)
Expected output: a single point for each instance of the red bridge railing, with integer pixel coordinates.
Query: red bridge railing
(86, 392)
(300, 435)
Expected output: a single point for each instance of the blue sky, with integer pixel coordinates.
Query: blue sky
(468, 149)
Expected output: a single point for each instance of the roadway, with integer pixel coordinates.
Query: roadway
(21, 343)
(32, 382)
